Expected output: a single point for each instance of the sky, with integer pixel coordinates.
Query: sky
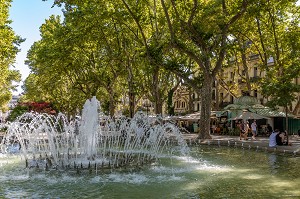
(27, 16)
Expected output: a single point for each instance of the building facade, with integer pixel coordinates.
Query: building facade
(231, 83)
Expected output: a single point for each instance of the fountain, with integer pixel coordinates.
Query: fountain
(80, 159)
(92, 141)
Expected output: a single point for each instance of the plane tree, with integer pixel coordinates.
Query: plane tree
(9, 47)
(180, 29)
(200, 30)
(73, 61)
(133, 34)
(279, 49)
(49, 60)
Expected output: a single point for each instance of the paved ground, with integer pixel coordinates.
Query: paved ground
(261, 143)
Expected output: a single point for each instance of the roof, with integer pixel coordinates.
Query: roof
(196, 116)
(271, 113)
(253, 105)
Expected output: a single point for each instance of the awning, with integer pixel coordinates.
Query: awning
(272, 113)
(249, 116)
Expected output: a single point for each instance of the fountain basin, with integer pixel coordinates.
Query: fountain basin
(208, 172)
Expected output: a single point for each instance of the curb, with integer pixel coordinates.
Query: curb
(258, 145)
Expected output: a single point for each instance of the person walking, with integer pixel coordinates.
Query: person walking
(254, 129)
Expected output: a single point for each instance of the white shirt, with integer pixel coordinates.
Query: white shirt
(272, 139)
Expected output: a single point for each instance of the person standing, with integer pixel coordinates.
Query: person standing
(272, 138)
(244, 127)
(254, 129)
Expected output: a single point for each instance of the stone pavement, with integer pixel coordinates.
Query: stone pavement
(261, 143)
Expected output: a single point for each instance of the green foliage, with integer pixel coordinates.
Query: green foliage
(281, 90)
(16, 112)
(279, 40)
(126, 112)
(39, 107)
(105, 107)
(9, 43)
(113, 48)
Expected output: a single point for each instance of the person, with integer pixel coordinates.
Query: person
(281, 139)
(213, 128)
(254, 129)
(244, 127)
(247, 127)
(272, 138)
(218, 129)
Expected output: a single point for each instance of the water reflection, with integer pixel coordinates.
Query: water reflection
(273, 163)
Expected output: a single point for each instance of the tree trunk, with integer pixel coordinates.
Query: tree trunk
(131, 103)
(287, 124)
(245, 67)
(158, 107)
(156, 91)
(297, 106)
(131, 92)
(217, 96)
(206, 99)
(111, 104)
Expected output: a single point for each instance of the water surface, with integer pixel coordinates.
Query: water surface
(209, 172)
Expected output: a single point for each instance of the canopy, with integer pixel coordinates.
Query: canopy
(249, 116)
(196, 116)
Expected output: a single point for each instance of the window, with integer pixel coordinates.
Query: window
(243, 72)
(214, 95)
(255, 72)
(255, 93)
(271, 60)
(231, 99)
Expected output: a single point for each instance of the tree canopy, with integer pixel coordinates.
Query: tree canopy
(9, 43)
(119, 50)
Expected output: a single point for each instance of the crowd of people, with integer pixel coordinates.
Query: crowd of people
(276, 137)
(245, 129)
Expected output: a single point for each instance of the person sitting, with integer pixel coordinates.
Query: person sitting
(281, 139)
(272, 138)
